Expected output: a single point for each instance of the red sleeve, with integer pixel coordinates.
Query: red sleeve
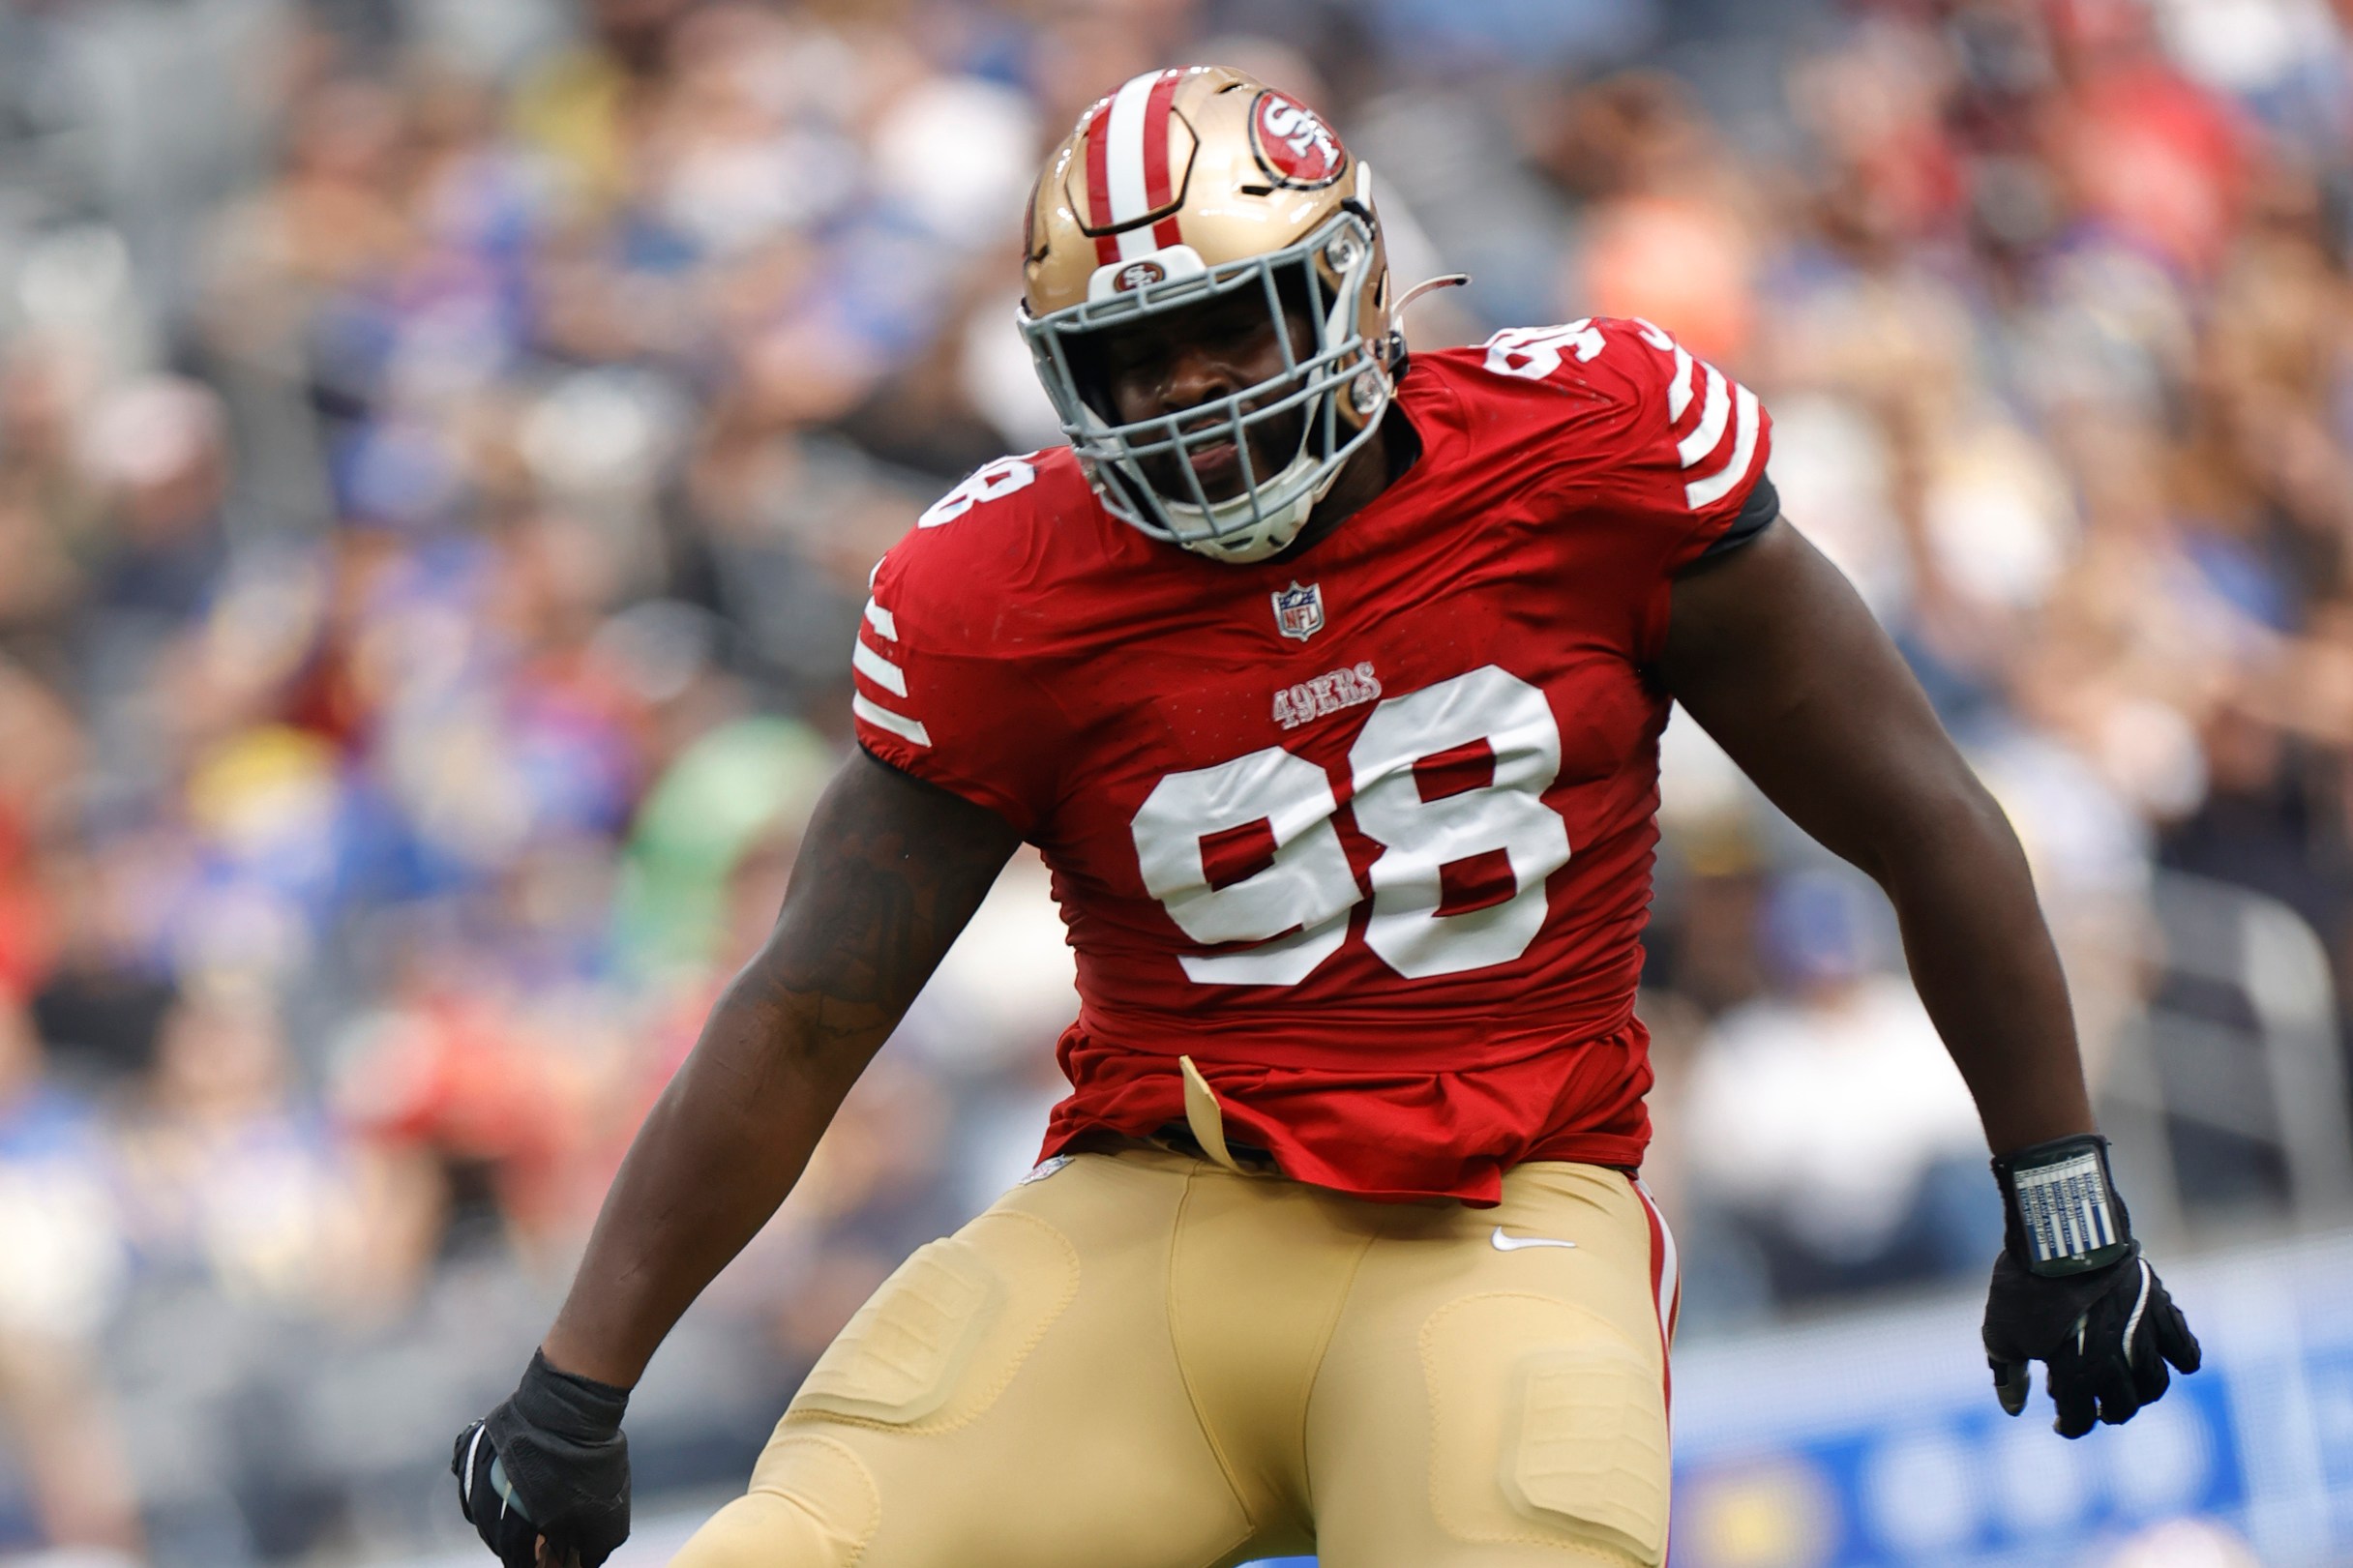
(938, 696)
(1678, 448)
(1687, 444)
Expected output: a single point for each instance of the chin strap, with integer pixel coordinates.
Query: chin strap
(1394, 360)
(1272, 534)
(1428, 285)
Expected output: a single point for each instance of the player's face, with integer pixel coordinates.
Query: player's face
(1186, 358)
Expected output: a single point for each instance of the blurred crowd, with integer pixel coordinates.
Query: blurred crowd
(442, 446)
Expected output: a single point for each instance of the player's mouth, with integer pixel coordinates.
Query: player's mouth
(1209, 457)
(1215, 462)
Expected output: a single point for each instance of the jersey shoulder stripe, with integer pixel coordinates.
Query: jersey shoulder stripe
(869, 663)
(1666, 409)
(1726, 402)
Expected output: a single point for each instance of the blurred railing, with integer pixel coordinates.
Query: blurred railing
(2236, 1053)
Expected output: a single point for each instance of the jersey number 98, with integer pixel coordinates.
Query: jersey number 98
(1493, 839)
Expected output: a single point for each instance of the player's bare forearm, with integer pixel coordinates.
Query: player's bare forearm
(1772, 653)
(888, 874)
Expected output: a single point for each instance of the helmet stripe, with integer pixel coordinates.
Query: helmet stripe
(1124, 137)
(1097, 137)
(1156, 191)
(1128, 166)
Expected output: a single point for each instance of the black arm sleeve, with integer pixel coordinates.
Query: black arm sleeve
(1764, 504)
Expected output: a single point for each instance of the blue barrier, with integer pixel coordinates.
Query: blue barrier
(1876, 1442)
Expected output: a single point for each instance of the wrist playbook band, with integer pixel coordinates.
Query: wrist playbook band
(2064, 1216)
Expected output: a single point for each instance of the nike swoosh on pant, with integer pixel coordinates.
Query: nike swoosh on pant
(1512, 1244)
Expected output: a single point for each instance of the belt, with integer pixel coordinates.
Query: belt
(1176, 1138)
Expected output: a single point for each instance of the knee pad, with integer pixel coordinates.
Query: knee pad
(812, 1505)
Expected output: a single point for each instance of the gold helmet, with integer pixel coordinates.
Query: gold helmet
(1182, 187)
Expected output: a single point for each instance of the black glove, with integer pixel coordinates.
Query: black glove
(551, 1462)
(2071, 1290)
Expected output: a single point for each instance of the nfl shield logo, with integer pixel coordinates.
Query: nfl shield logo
(1298, 612)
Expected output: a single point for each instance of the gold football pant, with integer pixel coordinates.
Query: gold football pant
(1147, 1360)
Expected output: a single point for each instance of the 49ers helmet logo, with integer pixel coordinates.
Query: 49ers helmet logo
(1137, 274)
(1292, 143)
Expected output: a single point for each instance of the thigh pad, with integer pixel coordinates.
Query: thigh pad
(1549, 1426)
(945, 1333)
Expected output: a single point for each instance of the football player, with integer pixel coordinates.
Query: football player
(1329, 685)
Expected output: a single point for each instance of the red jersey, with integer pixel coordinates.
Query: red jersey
(1367, 832)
